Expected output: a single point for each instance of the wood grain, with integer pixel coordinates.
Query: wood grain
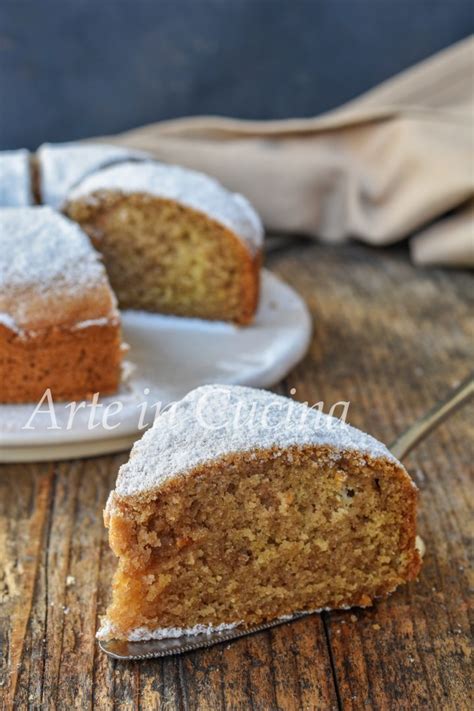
(391, 340)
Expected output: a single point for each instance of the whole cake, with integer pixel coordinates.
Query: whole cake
(60, 166)
(15, 183)
(59, 324)
(239, 506)
(173, 240)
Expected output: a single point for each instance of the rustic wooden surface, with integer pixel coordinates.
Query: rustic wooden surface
(387, 337)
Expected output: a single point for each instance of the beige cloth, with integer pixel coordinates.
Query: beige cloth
(380, 168)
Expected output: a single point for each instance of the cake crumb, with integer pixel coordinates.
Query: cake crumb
(376, 627)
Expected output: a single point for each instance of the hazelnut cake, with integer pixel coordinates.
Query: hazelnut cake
(15, 184)
(173, 240)
(59, 324)
(240, 506)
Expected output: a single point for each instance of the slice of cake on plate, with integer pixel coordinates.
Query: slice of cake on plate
(59, 324)
(240, 507)
(60, 166)
(15, 183)
(173, 240)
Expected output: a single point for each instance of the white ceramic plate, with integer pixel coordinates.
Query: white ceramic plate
(170, 356)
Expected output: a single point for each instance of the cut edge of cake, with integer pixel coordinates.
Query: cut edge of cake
(174, 241)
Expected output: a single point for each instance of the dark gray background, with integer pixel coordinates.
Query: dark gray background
(75, 68)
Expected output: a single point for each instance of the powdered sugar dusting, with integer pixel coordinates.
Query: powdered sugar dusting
(43, 256)
(91, 322)
(38, 245)
(7, 320)
(140, 634)
(63, 165)
(215, 420)
(15, 188)
(188, 187)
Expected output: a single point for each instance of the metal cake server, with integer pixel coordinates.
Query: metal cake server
(120, 649)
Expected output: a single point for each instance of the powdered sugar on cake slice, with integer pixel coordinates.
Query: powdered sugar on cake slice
(63, 165)
(140, 634)
(15, 184)
(216, 420)
(187, 187)
(49, 272)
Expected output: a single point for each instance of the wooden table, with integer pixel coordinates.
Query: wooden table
(389, 338)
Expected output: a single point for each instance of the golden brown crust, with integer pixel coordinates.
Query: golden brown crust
(73, 364)
(162, 243)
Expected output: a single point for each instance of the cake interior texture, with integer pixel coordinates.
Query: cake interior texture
(165, 257)
(255, 536)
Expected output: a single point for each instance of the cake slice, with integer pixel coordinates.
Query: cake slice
(60, 166)
(15, 183)
(173, 240)
(59, 324)
(240, 506)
